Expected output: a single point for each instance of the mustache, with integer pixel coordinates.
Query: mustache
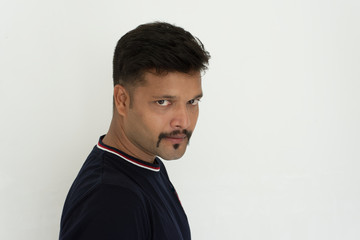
(174, 133)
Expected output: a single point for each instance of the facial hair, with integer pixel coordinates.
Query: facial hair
(174, 133)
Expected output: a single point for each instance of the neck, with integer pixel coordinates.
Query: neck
(117, 138)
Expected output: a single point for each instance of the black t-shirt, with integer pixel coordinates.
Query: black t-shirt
(116, 196)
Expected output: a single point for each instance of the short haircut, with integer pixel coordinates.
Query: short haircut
(157, 46)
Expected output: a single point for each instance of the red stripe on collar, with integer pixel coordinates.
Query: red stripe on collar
(139, 164)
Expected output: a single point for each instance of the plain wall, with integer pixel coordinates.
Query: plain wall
(276, 151)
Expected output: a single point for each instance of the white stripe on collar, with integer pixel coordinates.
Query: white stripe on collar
(104, 148)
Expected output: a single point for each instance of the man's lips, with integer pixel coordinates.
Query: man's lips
(176, 139)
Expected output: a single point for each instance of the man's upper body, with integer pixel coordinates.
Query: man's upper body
(116, 196)
(123, 190)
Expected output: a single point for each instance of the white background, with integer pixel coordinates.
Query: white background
(276, 150)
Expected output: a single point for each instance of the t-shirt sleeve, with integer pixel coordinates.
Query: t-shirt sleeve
(110, 212)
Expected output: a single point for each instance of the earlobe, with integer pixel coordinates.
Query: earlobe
(121, 98)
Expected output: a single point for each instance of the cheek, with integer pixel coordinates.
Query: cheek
(136, 122)
(194, 116)
(150, 123)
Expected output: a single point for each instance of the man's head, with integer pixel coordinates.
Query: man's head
(157, 86)
(159, 46)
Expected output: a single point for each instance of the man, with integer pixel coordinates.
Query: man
(123, 190)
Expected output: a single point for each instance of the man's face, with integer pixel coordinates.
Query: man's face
(163, 113)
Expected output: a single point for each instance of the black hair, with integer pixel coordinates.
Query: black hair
(157, 46)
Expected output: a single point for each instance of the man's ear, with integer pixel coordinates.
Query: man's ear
(121, 99)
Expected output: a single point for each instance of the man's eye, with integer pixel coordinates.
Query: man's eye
(194, 101)
(163, 102)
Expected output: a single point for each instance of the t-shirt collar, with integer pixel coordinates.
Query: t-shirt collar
(137, 162)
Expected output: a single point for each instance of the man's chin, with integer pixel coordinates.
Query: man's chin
(172, 150)
(174, 155)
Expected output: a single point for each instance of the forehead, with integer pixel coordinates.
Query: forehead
(171, 83)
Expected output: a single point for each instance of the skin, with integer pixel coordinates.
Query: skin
(152, 118)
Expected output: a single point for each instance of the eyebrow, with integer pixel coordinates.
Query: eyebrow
(199, 96)
(174, 97)
(164, 97)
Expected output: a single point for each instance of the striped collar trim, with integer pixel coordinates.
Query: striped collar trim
(155, 168)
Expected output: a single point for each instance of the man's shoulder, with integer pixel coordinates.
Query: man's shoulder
(101, 171)
(107, 209)
(100, 176)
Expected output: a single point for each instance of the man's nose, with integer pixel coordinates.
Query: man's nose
(181, 118)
